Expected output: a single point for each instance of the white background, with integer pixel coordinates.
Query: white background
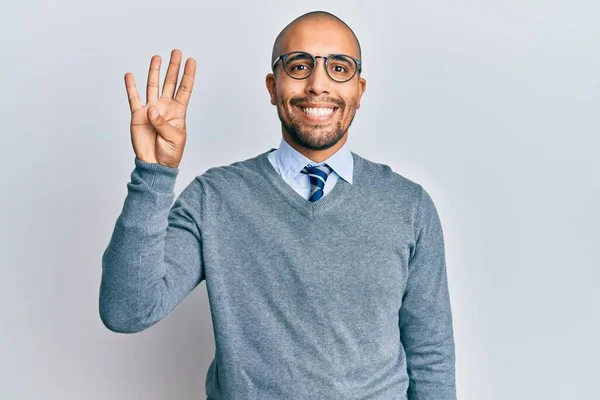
(493, 106)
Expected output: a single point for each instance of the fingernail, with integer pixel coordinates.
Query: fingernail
(153, 112)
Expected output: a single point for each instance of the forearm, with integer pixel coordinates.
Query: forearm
(153, 258)
(430, 351)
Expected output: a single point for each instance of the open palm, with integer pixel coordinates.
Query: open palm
(161, 139)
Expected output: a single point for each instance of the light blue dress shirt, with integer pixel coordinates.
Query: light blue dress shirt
(288, 162)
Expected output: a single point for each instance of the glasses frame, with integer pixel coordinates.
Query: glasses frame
(325, 64)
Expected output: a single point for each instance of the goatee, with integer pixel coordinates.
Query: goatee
(312, 137)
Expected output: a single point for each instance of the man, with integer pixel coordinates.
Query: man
(325, 271)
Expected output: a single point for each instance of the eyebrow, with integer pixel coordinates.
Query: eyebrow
(297, 56)
(337, 58)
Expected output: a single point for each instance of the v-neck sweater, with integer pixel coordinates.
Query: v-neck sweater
(342, 298)
(289, 164)
(295, 199)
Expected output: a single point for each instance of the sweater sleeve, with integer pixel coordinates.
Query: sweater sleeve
(425, 316)
(153, 259)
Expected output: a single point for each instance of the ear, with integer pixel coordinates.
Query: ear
(271, 87)
(362, 86)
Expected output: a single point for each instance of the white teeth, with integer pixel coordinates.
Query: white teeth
(318, 112)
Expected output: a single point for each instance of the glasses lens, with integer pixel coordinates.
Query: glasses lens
(298, 65)
(341, 68)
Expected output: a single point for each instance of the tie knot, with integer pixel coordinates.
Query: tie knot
(317, 176)
(320, 170)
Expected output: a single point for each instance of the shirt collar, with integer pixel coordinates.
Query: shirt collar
(290, 162)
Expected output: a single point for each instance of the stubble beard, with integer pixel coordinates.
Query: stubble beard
(314, 137)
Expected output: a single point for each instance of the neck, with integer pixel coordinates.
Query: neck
(316, 155)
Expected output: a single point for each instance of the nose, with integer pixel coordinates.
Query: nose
(318, 82)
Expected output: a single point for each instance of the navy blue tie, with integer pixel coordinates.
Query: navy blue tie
(318, 175)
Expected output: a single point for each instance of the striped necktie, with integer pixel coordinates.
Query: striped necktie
(318, 175)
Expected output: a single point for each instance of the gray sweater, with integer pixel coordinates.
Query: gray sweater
(343, 298)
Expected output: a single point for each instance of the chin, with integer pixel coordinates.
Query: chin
(315, 140)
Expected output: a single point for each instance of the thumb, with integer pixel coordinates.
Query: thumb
(161, 126)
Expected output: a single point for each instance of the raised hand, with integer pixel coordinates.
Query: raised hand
(158, 129)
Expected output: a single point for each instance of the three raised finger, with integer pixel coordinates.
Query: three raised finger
(183, 92)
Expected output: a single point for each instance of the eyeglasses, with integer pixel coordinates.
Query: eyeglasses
(300, 65)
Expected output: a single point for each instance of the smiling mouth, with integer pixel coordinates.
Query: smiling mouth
(318, 112)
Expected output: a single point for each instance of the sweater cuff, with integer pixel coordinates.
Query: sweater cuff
(159, 177)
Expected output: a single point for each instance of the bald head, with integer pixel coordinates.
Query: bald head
(313, 16)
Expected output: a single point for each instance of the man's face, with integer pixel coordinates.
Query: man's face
(296, 100)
